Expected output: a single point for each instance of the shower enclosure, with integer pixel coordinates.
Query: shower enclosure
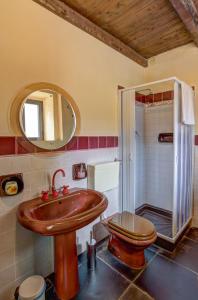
(156, 154)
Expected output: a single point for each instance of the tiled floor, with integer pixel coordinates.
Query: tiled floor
(167, 276)
(162, 223)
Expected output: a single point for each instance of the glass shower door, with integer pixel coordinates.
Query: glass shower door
(183, 167)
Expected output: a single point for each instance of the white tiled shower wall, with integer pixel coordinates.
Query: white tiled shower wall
(154, 160)
(22, 252)
(158, 157)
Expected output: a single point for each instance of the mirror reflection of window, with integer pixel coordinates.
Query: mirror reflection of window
(58, 117)
(39, 116)
(48, 116)
(33, 119)
(47, 119)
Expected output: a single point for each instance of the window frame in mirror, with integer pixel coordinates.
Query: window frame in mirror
(40, 119)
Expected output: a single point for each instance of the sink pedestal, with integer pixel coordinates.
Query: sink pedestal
(66, 265)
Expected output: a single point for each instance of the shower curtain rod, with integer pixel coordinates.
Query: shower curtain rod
(152, 82)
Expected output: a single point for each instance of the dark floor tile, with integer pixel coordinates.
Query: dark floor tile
(193, 234)
(166, 280)
(51, 295)
(134, 293)
(163, 279)
(185, 254)
(49, 282)
(103, 283)
(154, 248)
(119, 266)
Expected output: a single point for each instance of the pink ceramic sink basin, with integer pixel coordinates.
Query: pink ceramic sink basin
(64, 214)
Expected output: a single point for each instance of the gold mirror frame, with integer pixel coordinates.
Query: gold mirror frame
(17, 106)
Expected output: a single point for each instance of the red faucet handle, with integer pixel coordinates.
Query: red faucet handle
(55, 193)
(65, 189)
(45, 195)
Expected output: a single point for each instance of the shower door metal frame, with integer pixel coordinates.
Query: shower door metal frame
(126, 107)
(175, 156)
(177, 207)
(126, 149)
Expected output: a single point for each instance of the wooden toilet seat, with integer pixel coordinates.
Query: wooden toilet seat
(131, 225)
(130, 235)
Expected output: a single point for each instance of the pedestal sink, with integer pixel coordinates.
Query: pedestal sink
(61, 217)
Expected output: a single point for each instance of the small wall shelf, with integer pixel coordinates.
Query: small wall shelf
(165, 138)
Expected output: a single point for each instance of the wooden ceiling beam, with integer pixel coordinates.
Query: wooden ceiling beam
(187, 11)
(67, 13)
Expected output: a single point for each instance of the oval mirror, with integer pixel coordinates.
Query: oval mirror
(47, 118)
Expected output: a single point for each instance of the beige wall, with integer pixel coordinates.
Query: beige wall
(36, 45)
(181, 62)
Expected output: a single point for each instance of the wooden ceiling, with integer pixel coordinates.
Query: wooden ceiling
(139, 29)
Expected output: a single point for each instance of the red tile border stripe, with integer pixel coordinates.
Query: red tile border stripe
(7, 145)
(11, 145)
(156, 97)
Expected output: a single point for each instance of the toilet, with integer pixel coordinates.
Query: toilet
(130, 235)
